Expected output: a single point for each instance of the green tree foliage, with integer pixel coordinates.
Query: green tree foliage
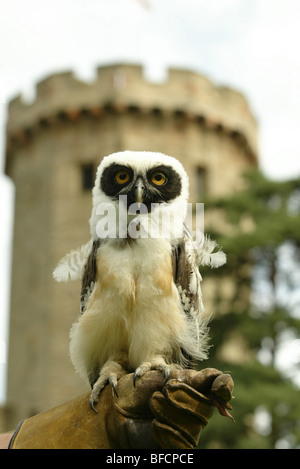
(264, 259)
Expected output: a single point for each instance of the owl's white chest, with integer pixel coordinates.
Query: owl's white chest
(139, 270)
(134, 309)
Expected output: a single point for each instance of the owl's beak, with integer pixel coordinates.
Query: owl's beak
(139, 190)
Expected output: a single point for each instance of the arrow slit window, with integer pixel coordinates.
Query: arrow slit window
(201, 181)
(87, 176)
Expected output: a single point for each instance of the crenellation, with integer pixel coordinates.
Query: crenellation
(54, 84)
(125, 86)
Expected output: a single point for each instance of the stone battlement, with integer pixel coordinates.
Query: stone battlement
(122, 88)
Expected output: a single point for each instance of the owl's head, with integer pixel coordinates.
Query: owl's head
(136, 185)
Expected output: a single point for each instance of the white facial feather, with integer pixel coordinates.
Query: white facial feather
(141, 162)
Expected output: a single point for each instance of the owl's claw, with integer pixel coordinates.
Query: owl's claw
(167, 373)
(110, 373)
(97, 389)
(135, 375)
(94, 397)
(92, 402)
(113, 382)
(141, 370)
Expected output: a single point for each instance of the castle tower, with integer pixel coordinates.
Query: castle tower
(53, 148)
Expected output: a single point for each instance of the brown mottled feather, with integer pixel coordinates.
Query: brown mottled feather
(89, 276)
(183, 270)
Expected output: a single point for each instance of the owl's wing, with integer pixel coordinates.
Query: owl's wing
(79, 264)
(187, 277)
(71, 266)
(188, 255)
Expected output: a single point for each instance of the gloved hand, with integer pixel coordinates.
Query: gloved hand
(150, 415)
(181, 408)
(184, 407)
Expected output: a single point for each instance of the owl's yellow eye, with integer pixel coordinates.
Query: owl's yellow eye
(158, 178)
(122, 176)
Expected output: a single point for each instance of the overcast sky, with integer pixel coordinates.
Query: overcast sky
(251, 45)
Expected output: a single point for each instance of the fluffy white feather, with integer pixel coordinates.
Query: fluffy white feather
(204, 247)
(71, 266)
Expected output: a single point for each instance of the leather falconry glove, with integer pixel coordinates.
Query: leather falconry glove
(150, 415)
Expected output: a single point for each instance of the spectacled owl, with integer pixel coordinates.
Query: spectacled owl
(141, 303)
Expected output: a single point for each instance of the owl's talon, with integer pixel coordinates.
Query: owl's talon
(135, 375)
(166, 373)
(91, 402)
(140, 371)
(113, 382)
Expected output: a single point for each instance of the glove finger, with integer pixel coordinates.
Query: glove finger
(180, 394)
(185, 397)
(169, 438)
(222, 387)
(182, 415)
(207, 381)
(201, 380)
(132, 401)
